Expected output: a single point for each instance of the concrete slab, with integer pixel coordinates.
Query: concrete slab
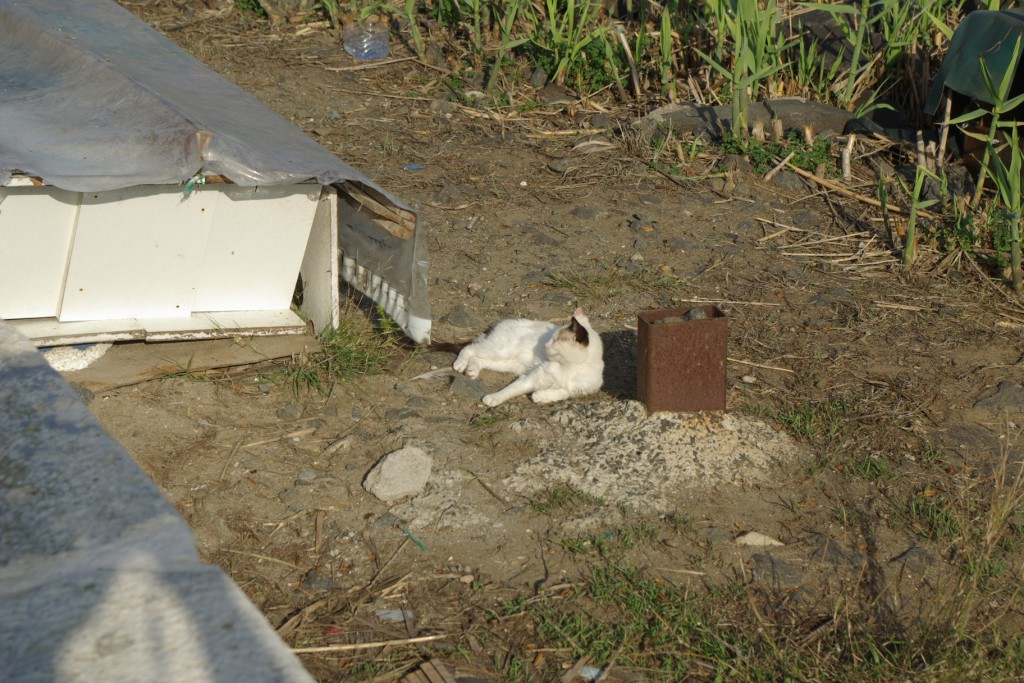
(99, 576)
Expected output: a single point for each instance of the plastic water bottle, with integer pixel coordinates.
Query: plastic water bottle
(366, 41)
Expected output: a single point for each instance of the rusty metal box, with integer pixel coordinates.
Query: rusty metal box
(681, 354)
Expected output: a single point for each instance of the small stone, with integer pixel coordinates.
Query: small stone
(539, 78)
(307, 475)
(560, 166)
(695, 314)
(399, 474)
(806, 220)
(341, 444)
(749, 379)
(469, 388)
(736, 162)
(758, 540)
(588, 213)
(788, 180)
(443, 107)
(386, 521)
(401, 414)
(459, 317)
(318, 582)
(418, 402)
(292, 411)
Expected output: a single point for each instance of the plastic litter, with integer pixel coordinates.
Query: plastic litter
(366, 41)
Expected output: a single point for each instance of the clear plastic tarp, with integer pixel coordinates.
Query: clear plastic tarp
(93, 99)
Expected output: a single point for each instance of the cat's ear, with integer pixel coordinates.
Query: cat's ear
(579, 332)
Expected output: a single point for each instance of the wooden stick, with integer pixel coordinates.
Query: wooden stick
(853, 195)
(629, 59)
(348, 647)
(361, 67)
(771, 174)
(758, 365)
(847, 156)
(898, 307)
(944, 129)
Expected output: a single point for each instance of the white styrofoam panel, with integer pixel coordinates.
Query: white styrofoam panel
(50, 332)
(136, 253)
(36, 226)
(256, 244)
(321, 295)
(226, 323)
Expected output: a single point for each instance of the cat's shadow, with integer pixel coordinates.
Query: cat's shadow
(620, 364)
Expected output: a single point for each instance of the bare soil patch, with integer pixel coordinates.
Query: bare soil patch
(852, 386)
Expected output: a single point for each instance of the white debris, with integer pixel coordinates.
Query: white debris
(70, 358)
(757, 540)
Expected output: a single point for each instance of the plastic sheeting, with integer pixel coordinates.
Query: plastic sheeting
(991, 36)
(93, 99)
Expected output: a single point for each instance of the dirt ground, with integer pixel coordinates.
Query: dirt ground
(884, 367)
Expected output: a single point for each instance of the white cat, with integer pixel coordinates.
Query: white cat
(553, 361)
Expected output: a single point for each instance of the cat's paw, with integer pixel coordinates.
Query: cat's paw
(460, 364)
(549, 395)
(491, 400)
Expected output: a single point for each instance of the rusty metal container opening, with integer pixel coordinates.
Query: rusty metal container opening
(681, 353)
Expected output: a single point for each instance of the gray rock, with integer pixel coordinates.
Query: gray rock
(385, 522)
(788, 180)
(795, 113)
(469, 388)
(292, 411)
(399, 474)
(1008, 397)
(561, 166)
(555, 94)
(294, 498)
(306, 475)
(683, 244)
(539, 78)
(459, 316)
(541, 237)
(774, 572)
(588, 213)
(559, 298)
(806, 220)
(318, 582)
(419, 402)
(401, 414)
(443, 107)
(736, 162)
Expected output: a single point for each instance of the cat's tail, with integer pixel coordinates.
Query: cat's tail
(447, 347)
(444, 347)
